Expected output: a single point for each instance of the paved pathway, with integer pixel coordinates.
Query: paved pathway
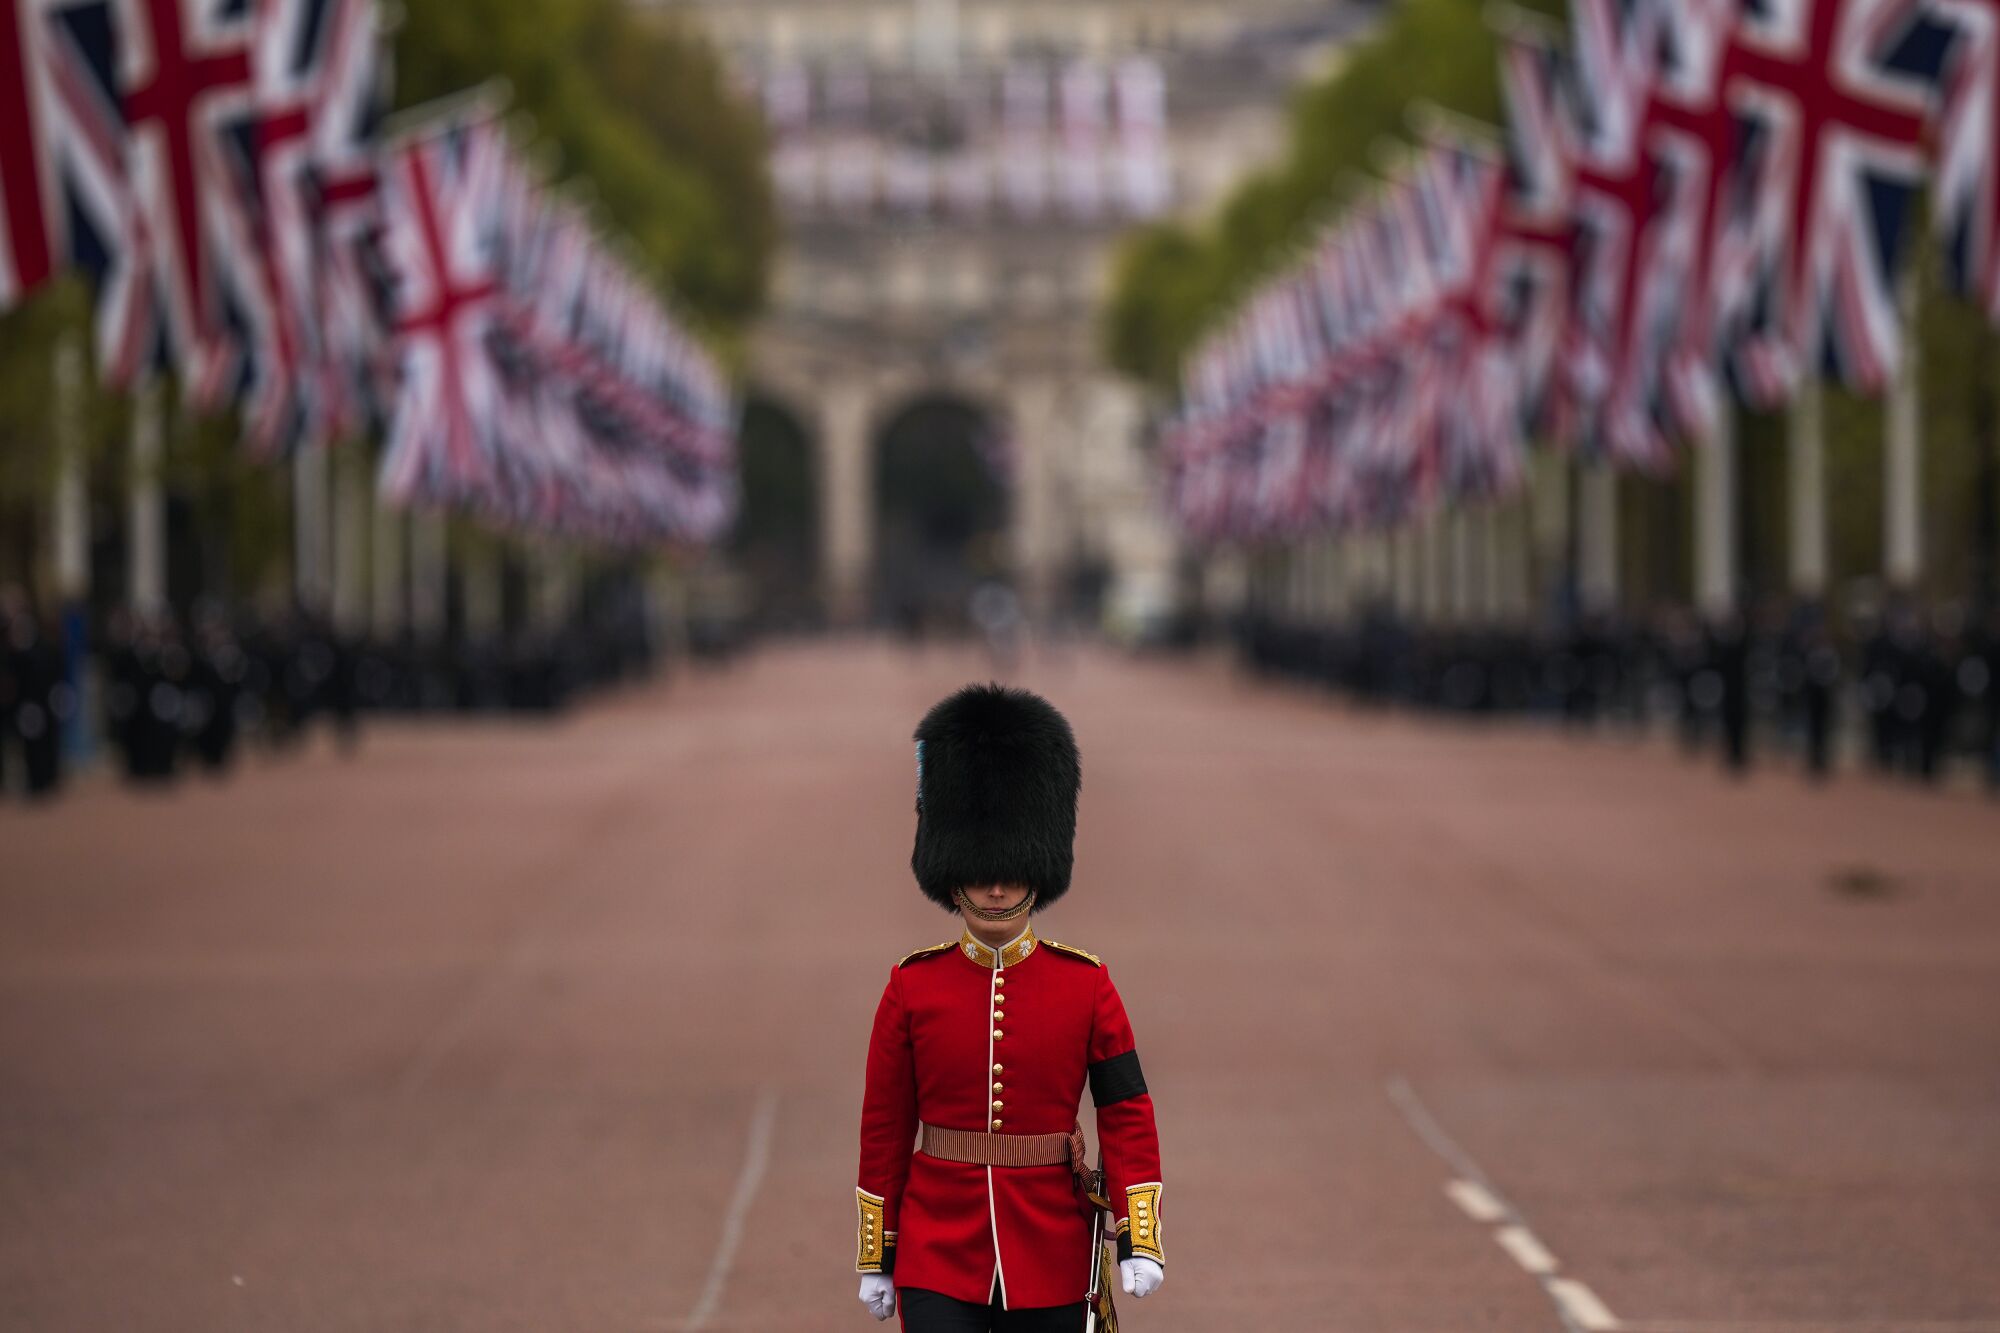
(559, 1027)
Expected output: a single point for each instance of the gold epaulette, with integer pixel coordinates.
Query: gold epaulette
(1075, 952)
(927, 951)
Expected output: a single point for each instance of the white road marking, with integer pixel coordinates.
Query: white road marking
(1419, 1118)
(1580, 1309)
(1580, 1303)
(755, 1161)
(1475, 1200)
(1576, 1305)
(1528, 1252)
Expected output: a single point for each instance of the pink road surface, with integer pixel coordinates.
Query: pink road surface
(559, 1027)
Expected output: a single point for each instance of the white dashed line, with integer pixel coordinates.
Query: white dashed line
(755, 1160)
(1531, 1254)
(1475, 1201)
(1580, 1303)
(1576, 1305)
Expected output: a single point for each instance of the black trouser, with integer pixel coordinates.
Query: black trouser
(932, 1312)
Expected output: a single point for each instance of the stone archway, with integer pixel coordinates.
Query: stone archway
(777, 541)
(1047, 426)
(943, 507)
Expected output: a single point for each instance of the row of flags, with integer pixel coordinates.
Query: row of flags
(1691, 202)
(543, 385)
(220, 170)
(1084, 141)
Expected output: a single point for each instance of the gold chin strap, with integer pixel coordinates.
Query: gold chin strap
(986, 914)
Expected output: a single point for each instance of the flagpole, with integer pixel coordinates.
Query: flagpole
(1902, 500)
(146, 528)
(1597, 537)
(480, 573)
(1463, 570)
(1806, 469)
(430, 571)
(1548, 529)
(71, 554)
(1715, 518)
(389, 580)
(352, 538)
(311, 537)
(1517, 595)
(1491, 565)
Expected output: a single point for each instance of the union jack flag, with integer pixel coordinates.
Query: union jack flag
(1429, 211)
(62, 195)
(1691, 44)
(353, 379)
(438, 191)
(30, 231)
(185, 83)
(1481, 439)
(1390, 444)
(83, 136)
(1966, 187)
(1633, 209)
(1836, 99)
(1529, 292)
(306, 169)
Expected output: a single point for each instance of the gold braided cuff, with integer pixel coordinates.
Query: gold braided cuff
(1142, 1207)
(872, 1243)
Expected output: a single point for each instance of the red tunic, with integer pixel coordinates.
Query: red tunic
(971, 1038)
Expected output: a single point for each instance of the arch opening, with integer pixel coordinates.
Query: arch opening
(776, 540)
(942, 510)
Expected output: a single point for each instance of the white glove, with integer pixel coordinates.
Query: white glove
(1140, 1276)
(878, 1293)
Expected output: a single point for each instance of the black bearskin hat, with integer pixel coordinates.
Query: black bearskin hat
(997, 778)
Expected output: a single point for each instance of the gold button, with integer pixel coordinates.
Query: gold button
(996, 1034)
(998, 1070)
(996, 1087)
(996, 1124)
(999, 980)
(997, 1103)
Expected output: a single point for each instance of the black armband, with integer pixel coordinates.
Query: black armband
(1116, 1079)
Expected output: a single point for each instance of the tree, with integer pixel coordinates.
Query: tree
(1175, 282)
(636, 107)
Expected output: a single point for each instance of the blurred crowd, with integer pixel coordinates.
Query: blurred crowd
(171, 696)
(1910, 690)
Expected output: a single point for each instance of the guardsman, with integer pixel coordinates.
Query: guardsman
(980, 1052)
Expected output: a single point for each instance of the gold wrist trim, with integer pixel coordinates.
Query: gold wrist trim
(1142, 1206)
(871, 1240)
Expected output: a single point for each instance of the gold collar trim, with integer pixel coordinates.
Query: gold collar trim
(1007, 955)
